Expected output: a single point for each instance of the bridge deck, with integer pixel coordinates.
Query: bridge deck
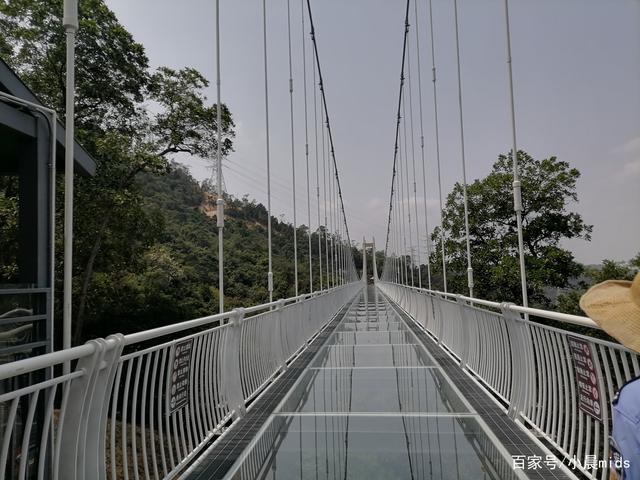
(372, 397)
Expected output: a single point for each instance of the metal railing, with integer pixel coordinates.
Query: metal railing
(531, 367)
(144, 405)
(24, 327)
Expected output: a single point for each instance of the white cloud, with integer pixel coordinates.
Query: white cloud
(630, 148)
(632, 167)
(629, 153)
(375, 203)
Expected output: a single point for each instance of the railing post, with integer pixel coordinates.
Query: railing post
(74, 440)
(464, 327)
(519, 377)
(282, 329)
(233, 370)
(439, 320)
(96, 462)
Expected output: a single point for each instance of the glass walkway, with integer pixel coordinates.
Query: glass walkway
(372, 404)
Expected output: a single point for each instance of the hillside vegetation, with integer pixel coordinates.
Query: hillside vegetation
(176, 276)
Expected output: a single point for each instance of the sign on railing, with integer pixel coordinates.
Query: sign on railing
(589, 397)
(179, 375)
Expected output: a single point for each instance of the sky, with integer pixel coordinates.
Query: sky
(576, 66)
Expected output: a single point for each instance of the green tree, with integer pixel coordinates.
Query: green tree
(611, 270)
(569, 302)
(115, 124)
(111, 68)
(548, 187)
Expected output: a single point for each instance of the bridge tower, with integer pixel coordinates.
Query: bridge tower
(369, 245)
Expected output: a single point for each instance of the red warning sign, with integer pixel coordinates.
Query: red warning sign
(589, 398)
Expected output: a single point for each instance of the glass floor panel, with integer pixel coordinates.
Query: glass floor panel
(372, 448)
(372, 356)
(421, 390)
(371, 317)
(371, 326)
(371, 338)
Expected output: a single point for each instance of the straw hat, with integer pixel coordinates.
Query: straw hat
(615, 306)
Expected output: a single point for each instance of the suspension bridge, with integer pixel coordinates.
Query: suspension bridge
(366, 375)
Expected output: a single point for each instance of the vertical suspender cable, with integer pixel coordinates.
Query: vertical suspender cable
(293, 161)
(402, 214)
(401, 217)
(396, 241)
(413, 163)
(435, 114)
(324, 198)
(405, 217)
(517, 194)
(330, 206)
(405, 171)
(399, 214)
(464, 166)
(306, 147)
(70, 22)
(401, 269)
(337, 236)
(394, 236)
(339, 253)
(315, 121)
(424, 178)
(338, 232)
(266, 103)
(332, 227)
(220, 200)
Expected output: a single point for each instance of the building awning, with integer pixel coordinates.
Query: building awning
(20, 121)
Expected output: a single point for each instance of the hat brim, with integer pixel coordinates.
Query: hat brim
(611, 306)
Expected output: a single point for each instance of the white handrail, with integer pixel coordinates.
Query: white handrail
(32, 364)
(198, 322)
(548, 314)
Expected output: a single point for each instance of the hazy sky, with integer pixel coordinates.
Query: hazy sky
(577, 85)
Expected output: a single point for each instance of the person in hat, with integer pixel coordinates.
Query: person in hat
(615, 306)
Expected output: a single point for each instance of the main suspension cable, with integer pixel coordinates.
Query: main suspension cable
(330, 134)
(395, 150)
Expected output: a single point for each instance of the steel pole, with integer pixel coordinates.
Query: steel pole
(220, 200)
(70, 22)
(517, 194)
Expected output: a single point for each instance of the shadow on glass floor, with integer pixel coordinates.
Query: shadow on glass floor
(372, 447)
(421, 390)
